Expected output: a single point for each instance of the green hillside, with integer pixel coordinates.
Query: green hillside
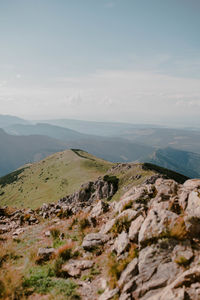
(63, 173)
(50, 179)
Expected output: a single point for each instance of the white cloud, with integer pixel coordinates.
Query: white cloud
(107, 94)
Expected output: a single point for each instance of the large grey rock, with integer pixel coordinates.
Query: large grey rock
(193, 207)
(134, 196)
(158, 223)
(109, 294)
(176, 290)
(183, 253)
(74, 267)
(45, 254)
(129, 214)
(191, 184)
(100, 208)
(135, 227)
(121, 243)
(156, 268)
(108, 226)
(130, 271)
(93, 240)
(192, 214)
(165, 188)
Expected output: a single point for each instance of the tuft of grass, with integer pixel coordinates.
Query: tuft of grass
(121, 224)
(182, 261)
(84, 223)
(11, 286)
(55, 233)
(179, 230)
(100, 291)
(115, 267)
(127, 205)
(65, 252)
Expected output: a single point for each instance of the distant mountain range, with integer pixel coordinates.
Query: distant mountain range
(24, 141)
(16, 150)
(183, 162)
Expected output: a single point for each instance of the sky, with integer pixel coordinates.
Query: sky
(132, 61)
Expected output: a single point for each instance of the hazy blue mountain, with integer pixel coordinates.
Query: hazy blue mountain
(97, 128)
(184, 162)
(57, 132)
(7, 120)
(187, 140)
(16, 151)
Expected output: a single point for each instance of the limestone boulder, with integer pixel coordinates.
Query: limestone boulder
(93, 240)
(158, 223)
(135, 228)
(75, 267)
(121, 243)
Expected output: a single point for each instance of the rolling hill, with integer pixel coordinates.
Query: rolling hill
(7, 120)
(63, 173)
(34, 142)
(50, 179)
(52, 131)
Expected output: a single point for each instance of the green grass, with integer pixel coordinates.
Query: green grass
(66, 171)
(10, 178)
(42, 281)
(63, 173)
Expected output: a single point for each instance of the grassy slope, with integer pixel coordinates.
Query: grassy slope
(63, 173)
(52, 178)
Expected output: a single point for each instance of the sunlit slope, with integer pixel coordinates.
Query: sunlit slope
(50, 179)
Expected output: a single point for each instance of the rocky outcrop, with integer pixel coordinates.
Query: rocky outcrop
(103, 188)
(146, 244)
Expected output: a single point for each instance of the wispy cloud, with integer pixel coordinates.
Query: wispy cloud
(106, 94)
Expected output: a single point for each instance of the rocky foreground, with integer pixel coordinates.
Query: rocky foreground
(146, 245)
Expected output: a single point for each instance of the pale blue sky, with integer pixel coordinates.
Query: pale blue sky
(125, 60)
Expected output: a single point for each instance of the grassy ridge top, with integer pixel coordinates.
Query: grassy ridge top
(50, 179)
(63, 173)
